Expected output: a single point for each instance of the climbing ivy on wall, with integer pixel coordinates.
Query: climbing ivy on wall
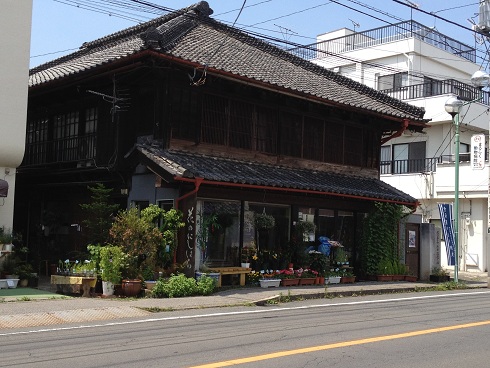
(380, 236)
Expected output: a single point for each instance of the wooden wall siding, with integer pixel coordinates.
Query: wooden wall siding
(275, 130)
(184, 113)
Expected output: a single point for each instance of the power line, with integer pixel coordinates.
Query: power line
(146, 6)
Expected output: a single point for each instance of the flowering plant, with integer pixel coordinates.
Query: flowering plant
(248, 252)
(269, 274)
(66, 267)
(318, 262)
(335, 272)
(308, 273)
(253, 277)
(287, 274)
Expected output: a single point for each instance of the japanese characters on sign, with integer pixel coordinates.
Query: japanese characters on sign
(477, 153)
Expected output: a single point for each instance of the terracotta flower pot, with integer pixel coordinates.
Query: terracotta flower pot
(307, 281)
(289, 282)
(347, 279)
(131, 288)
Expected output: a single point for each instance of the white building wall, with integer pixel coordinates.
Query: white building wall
(411, 55)
(15, 36)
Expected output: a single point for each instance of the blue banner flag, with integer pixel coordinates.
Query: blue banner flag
(446, 213)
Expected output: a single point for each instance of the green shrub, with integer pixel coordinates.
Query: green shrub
(176, 286)
(385, 267)
(205, 285)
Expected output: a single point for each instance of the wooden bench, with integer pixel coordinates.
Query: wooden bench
(242, 271)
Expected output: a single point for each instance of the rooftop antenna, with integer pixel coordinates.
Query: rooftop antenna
(412, 5)
(286, 33)
(355, 24)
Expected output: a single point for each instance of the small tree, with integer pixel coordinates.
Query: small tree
(99, 214)
(139, 238)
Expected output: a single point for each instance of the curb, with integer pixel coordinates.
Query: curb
(340, 294)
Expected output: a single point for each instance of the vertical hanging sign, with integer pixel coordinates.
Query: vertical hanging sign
(446, 213)
(477, 153)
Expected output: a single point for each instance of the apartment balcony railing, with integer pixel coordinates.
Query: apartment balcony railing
(420, 165)
(408, 166)
(464, 91)
(382, 35)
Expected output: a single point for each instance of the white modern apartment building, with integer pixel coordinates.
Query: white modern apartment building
(425, 68)
(15, 36)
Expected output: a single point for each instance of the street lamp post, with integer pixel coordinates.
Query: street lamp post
(453, 106)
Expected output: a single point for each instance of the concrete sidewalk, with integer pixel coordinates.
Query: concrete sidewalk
(18, 314)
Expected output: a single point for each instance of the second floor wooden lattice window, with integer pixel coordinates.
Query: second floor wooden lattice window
(64, 137)
(280, 131)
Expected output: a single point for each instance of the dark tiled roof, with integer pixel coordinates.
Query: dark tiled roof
(225, 170)
(191, 35)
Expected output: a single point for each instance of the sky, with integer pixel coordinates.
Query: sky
(60, 27)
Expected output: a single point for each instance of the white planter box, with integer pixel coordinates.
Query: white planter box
(333, 280)
(267, 283)
(3, 284)
(12, 283)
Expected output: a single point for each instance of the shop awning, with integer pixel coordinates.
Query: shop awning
(4, 188)
(221, 171)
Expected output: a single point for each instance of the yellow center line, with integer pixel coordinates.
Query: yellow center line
(311, 349)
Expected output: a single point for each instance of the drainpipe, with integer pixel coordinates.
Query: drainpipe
(197, 184)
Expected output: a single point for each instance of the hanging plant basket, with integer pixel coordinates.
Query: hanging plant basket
(264, 221)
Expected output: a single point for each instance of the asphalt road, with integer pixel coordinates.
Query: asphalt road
(406, 330)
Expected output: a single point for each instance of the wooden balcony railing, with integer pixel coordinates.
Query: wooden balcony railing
(71, 149)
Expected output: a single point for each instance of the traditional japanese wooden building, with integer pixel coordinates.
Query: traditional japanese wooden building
(184, 111)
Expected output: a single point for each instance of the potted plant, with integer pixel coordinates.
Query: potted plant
(248, 252)
(409, 276)
(385, 271)
(334, 276)
(149, 278)
(288, 277)
(438, 274)
(264, 221)
(320, 263)
(269, 279)
(347, 278)
(398, 271)
(112, 261)
(340, 258)
(24, 272)
(307, 276)
(139, 237)
(9, 265)
(6, 238)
